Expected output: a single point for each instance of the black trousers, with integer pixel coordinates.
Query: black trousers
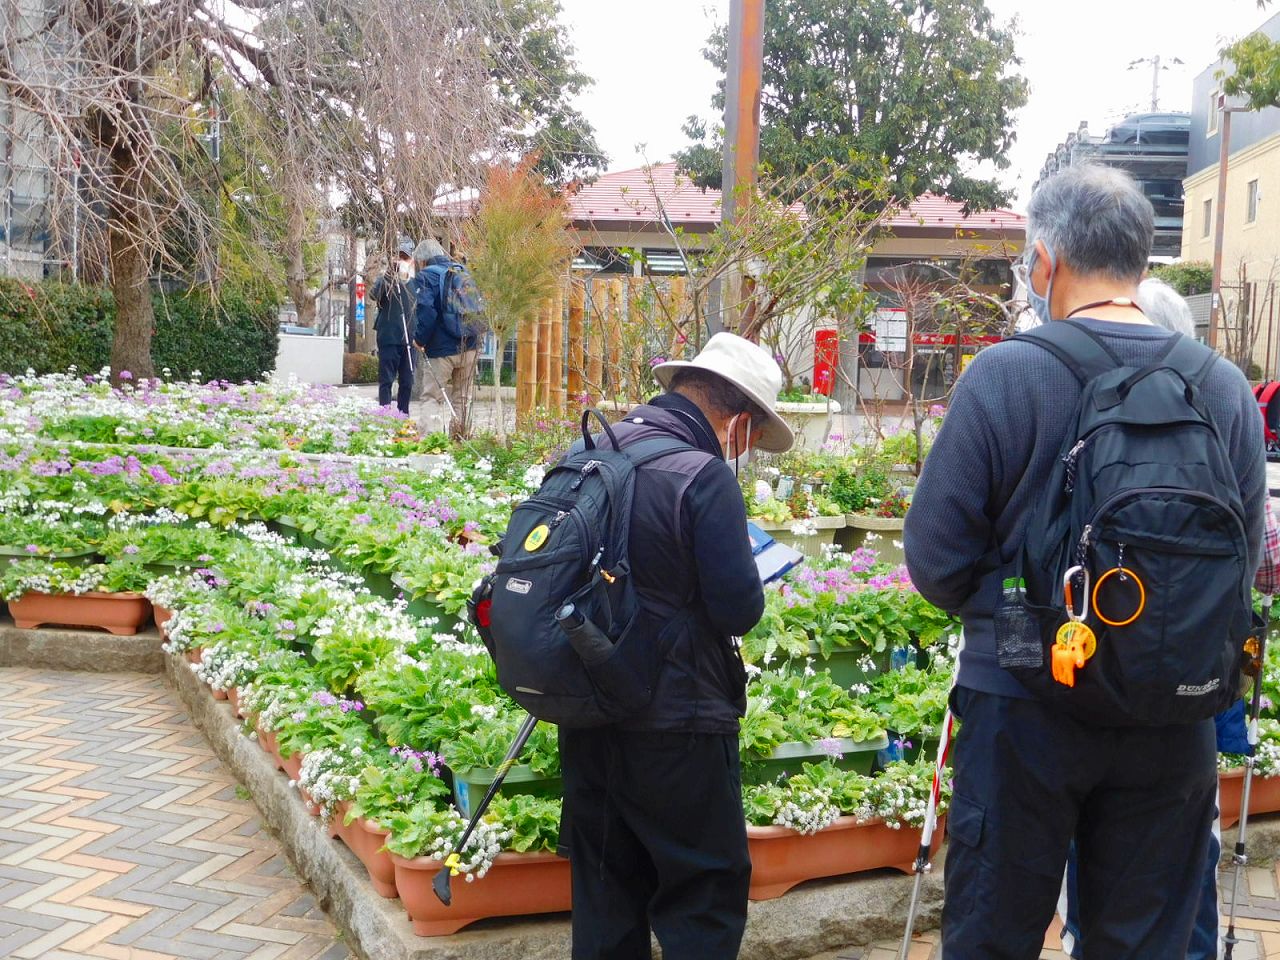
(654, 830)
(395, 364)
(1139, 801)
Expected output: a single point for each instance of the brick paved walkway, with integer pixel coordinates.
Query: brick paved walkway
(122, 836)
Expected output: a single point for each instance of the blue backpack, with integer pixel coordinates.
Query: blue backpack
(458, 300)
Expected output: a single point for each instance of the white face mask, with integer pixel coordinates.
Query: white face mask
(406, 270)
(739, 462)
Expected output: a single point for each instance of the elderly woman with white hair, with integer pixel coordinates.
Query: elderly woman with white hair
(1165, 307)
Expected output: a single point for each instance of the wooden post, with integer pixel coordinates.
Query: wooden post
(635, 336)
(595, 344)
(613, 359)
(555, 370)
(577, 345)
(544, 354)
(677, 308)
(526, 368)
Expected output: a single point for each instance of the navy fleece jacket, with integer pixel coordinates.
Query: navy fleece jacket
(991, 462)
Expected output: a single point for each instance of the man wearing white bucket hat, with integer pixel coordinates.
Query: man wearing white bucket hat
(653, 820)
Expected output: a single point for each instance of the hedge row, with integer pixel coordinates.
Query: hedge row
(51, 326)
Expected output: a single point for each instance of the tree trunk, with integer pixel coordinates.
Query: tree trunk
(135, 317)
(296, 280)
(500, 414)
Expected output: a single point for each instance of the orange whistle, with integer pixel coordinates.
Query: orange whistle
(1065, 661)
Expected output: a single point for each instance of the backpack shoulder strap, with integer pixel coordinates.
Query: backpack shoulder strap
(1075, 346)
(1190, 358)
(646, 451)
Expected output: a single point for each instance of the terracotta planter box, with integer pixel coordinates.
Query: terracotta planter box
(233, 697)
(292, 765)
(782, 858)
(518, 884)
(365, 841)
(117, 613)
(195, 654)
(1264, 796)
(269, 742)
(162, 616)
(218, 694)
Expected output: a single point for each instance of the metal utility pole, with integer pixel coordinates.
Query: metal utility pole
(1220, 216)
(743, 87)
(1156, 67)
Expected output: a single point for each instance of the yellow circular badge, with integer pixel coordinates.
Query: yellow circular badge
(537, 538)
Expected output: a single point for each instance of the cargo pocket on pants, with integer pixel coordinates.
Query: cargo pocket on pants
(965, 823)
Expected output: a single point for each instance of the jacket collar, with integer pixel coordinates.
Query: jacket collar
(678, 415)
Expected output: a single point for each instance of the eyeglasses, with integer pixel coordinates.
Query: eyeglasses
(1021, 273)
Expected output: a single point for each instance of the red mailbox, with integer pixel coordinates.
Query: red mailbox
(826, 357)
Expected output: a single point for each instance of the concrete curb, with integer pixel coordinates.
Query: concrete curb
(80, 650)
(819, 916)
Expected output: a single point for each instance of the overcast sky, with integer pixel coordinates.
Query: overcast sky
(650, 75)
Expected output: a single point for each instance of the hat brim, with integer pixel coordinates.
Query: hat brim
(777, 437)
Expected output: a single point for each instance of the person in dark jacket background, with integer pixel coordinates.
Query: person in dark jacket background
(1138, 800)
(653, 822)
(395, 293)
(449, 372)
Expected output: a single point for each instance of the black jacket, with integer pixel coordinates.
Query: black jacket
(693, 570)
(396, 299)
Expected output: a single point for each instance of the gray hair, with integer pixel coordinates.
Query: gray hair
(427, 249)
(1095, 219)
(1164, 306)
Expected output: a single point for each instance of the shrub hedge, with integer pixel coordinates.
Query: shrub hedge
(51, 326)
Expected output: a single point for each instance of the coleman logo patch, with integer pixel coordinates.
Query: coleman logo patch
(519, 586)
(1197, 690)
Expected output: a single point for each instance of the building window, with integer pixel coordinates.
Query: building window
(1213, 112)
(1251, 208)
(1208, 218)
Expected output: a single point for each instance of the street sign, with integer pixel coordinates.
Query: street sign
(359, 311)
(360, 291)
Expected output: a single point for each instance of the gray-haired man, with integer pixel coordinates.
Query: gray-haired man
(1138, 800)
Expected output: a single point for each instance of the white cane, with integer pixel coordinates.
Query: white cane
(923, 863)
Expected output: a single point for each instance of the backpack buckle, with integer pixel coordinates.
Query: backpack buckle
(608, 577)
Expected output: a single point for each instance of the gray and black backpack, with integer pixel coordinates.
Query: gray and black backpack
(560, 614)
(1140, 537)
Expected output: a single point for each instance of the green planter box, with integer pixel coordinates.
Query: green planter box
(888, 530)
(845, 665)
(789, 758)
(811, 544)
(291, 527)
(77, 558)
(469, 787)
(424, 608)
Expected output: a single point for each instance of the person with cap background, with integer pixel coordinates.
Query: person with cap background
(449, 342)
(395, 293)
(653, 822)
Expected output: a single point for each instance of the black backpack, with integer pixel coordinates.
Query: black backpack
(1142, 530)
(566, 547)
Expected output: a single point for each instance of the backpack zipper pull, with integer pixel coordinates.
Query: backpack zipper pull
(1082, 548)
(588, 468)
(1070, 460)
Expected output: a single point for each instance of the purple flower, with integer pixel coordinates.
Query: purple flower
(131, 549)
(831, 748)
(32, 548)
(160, 475)
(324, 698)
(126, 375)
(350, 706)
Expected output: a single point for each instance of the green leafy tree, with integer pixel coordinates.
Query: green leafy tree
(924, 89)
(517, 249)
(535, 72)
(1256, 59)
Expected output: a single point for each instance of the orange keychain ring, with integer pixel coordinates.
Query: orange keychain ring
(1142, 596)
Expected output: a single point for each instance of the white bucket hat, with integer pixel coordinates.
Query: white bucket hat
(750, 369)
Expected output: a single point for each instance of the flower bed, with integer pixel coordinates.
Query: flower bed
(368, 698)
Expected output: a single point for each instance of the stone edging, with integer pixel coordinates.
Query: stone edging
(88, 650)
(820, 915)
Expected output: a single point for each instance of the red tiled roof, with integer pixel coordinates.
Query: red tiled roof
(628, 195)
